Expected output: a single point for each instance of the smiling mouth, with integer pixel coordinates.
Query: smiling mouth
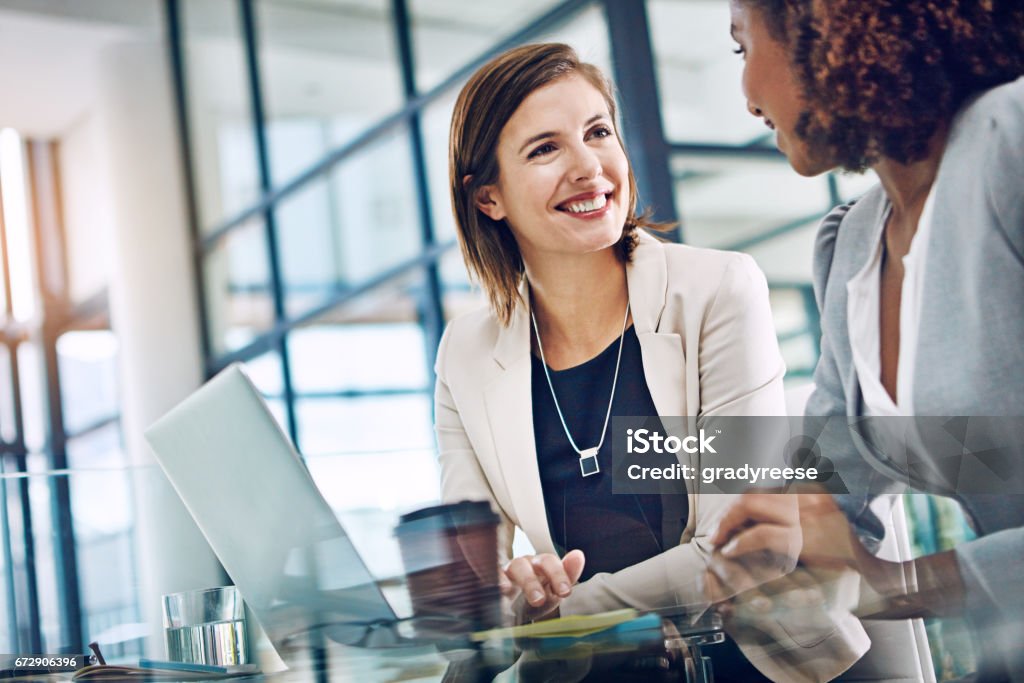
(583, 206)
(768, 122)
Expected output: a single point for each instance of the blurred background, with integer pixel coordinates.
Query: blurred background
(190, 183)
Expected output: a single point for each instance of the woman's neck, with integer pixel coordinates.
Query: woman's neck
(579, 303)
(907, 185)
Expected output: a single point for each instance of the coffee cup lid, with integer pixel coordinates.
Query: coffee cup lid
(448, 516)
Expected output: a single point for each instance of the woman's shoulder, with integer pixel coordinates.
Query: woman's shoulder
(685, 263)
(989, 129)
(984, 160)
(699, 276)
(478, 327)
(1003, 103)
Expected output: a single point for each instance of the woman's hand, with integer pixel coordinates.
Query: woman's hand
(758, 540)
(543, 580)
(765, 534)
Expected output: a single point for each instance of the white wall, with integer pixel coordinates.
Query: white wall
(88, 210)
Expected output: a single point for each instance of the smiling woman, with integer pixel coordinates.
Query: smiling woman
(564, 191)
(591, 317)
(543, 125)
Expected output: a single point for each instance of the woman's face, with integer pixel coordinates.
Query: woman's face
(771, 87)
(563, 181)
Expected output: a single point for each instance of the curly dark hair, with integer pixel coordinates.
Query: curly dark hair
(880, 77)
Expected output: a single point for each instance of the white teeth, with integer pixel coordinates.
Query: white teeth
(594, 204)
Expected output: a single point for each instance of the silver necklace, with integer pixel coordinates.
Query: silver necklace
(588, 457)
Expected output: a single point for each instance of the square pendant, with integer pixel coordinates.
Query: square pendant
(588, 462)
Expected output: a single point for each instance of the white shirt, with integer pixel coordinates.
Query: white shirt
(863, 309)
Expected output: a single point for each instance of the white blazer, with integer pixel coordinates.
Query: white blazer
(708, 345)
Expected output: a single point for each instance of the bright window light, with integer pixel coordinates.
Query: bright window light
(92, 347)
(16, 221)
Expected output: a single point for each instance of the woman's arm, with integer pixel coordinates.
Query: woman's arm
(461, 475)
(543, 580)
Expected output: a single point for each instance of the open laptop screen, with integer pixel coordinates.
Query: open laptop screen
(263, 516)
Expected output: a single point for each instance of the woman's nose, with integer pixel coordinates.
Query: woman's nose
(586, 164)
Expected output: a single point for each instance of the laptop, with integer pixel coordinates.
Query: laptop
(253, 499)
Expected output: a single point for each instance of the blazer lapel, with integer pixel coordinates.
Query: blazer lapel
(664, 363)
(509, 403)
(663, 358)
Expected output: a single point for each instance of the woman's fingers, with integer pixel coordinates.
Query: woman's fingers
(549, 569)
(520, 572)
(545, 578)
(573, 563)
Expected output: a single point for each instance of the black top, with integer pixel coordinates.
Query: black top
(614, 531)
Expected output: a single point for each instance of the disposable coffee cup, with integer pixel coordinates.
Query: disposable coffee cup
(206, 627)
(450, 554)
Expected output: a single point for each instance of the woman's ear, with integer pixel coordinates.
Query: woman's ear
(488, 200)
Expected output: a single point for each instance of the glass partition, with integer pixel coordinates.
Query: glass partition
(219, 101)
(329, 71)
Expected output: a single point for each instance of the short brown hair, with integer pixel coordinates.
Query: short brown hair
(881, 78)
(485, 105)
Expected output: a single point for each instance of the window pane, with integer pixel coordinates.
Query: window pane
(41, 490)
(103, 520)
(796, 323)
(350, 346)
(15, 492)
(369, 490)
(435, 123)
(360, 370)
(365, 424)
(33, 397)
(223, 142)
(775, 222)
(587, 33)
(345, 229)
(447, 34)
(313, 58)
(365, 414)
(239, 297)
(8, 593)
(87, 363)
(7, 426)
(698, 75)
(726, 202)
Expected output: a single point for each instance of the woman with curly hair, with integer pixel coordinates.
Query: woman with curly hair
(920, 282)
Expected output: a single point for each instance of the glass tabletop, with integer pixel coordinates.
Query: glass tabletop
(132, 542)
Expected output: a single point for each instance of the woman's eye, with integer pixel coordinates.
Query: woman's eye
(739, 50)
(601, 132)
(546, 148)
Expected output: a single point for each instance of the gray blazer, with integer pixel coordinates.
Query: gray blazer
(970, 354)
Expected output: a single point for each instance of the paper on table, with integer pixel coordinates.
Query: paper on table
(575, 626)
